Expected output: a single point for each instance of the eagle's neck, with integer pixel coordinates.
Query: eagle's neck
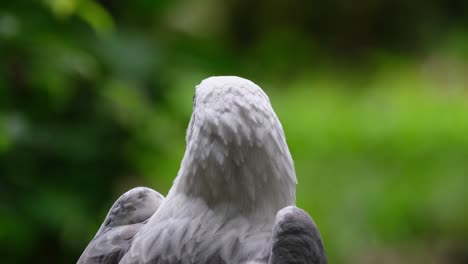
(239, 166)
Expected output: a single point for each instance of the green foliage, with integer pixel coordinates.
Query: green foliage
(95, 97)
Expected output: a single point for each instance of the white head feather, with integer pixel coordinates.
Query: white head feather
(236, 158)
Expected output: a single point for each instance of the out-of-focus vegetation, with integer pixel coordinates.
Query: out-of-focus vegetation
(95, 97)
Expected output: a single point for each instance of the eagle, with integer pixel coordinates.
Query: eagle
(233, 200)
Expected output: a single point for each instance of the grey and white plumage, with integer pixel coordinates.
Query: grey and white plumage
(296, 239)
(233, 198)
(125, 218)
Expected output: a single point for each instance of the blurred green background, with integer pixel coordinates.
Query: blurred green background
(95, 97)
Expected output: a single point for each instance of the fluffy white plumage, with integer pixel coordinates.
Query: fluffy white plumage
(236, 175)
(236, 153)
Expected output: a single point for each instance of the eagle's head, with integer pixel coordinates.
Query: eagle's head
(236, 153)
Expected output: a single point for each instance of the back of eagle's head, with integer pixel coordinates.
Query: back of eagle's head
(236, 148)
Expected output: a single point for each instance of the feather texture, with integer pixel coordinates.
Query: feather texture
(236, 174)
(125, 218)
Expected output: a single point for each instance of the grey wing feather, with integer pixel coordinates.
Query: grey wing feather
(110, 245)
(296, 239)
(125, 218)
